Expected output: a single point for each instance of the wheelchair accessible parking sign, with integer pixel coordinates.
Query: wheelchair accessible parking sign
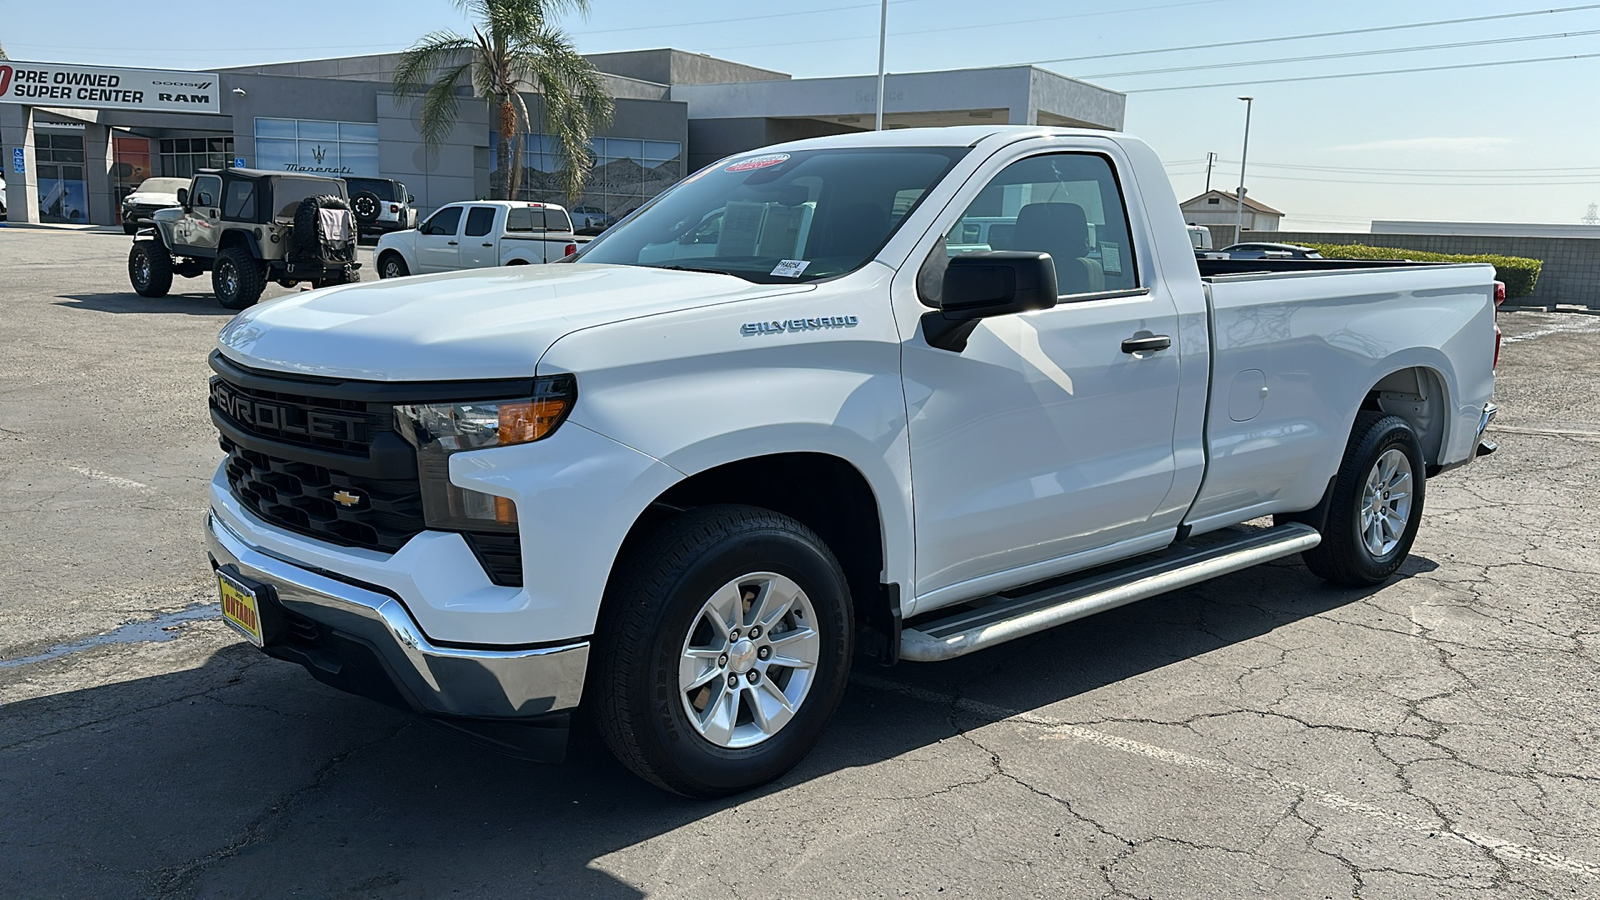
(19, 163)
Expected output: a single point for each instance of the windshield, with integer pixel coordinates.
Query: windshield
(162, 185)
(778, 217)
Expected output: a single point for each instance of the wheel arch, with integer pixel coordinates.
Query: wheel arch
(235, 237)
(1420, 394)
(386, 252)
(827, 494)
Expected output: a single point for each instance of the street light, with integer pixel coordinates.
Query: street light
(1238, 227)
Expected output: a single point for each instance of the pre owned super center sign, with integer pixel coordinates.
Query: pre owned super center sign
(99, 87)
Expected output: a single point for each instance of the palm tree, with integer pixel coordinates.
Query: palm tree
(514, 47)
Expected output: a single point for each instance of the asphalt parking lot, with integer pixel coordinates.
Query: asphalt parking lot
(1263, 735)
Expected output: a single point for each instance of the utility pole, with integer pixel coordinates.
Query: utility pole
(1593, 218)
(883, 40)
(1244, 155)
(1211, 160)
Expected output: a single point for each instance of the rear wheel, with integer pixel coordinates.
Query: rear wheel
(1376, 504)
(150, 269)
(238, 278)
(723, 650)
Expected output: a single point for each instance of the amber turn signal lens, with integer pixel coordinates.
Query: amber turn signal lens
(530, 420)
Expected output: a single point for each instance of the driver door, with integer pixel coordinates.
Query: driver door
(200, 231)
(439, 243)
(1043, 443)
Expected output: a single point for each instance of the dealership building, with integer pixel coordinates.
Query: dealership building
(77, 138)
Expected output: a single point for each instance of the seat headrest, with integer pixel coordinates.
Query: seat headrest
(1067, 223)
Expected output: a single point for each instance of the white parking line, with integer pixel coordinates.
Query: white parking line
(1058, 731)
(117, 480)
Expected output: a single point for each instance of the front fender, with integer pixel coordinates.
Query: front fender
(696, 389)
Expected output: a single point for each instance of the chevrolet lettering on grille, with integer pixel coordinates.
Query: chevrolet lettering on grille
(287, 419)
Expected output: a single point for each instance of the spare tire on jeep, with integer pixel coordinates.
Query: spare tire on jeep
(307, 240)
(366, 206)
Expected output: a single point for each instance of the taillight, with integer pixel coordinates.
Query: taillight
(571, 249)
(1499, 293)
(394, 207)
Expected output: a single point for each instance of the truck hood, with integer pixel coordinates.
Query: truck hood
(486, 323)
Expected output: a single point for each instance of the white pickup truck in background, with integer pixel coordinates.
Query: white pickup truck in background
(915, 393)
(479, 235)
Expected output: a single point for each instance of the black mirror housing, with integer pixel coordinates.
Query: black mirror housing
(982, 285)
(183, 197)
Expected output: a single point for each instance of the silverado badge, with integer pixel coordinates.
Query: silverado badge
(346, 498)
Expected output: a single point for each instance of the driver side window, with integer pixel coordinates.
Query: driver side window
(1068, 205)
(445, 221)
(207, 189)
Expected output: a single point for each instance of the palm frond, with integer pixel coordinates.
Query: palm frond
(441, 107)
(433, 52)
(575, 101)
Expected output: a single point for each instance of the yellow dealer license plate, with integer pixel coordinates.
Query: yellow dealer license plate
(240, 607)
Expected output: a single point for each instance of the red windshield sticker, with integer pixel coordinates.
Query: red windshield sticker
(757, 162)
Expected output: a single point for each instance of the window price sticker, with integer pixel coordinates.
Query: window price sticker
(791, 268)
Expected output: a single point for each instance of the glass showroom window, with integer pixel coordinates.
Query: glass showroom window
(180, 157)
(627, 172)
(63, 193)
(317, 146)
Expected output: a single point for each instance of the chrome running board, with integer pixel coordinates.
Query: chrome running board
(1004, 617)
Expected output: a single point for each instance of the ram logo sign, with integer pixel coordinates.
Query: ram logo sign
(102, 87)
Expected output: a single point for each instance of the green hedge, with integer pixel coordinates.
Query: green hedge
(1519, 273)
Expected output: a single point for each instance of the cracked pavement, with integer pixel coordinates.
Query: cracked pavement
(1262, 735)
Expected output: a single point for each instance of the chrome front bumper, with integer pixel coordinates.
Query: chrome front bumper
(468, 683)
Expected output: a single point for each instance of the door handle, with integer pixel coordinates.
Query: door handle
(488, 245)
(1146, 344)
(451, 243)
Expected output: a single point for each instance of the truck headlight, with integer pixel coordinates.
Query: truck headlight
(440, 429)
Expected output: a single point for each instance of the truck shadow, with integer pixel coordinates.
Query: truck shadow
(191, 303)
(243, 777)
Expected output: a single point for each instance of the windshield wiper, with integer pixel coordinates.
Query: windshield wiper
(677, 268)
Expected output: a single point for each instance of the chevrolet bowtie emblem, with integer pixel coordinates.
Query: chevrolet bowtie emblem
(346, 498)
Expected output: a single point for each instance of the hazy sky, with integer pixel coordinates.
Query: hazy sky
(1514, 143)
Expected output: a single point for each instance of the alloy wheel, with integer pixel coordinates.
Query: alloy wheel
(749, 660)
(1386, 502)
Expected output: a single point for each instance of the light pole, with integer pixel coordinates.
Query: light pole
(1238, 227)
(883, 37)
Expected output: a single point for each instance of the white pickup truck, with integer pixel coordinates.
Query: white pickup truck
(479, 235)
(989, 391)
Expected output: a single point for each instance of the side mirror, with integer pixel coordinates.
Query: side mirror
(978, 286)
(183, 197)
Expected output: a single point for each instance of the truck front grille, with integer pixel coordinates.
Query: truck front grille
(335, 506)
(331, 468)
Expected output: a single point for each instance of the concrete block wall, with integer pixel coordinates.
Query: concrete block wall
(1571, 272)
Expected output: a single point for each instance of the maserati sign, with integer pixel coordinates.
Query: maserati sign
(98, 87)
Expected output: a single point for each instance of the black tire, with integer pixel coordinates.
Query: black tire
(1344, 556)
(238, 278)
(304, 242)
(366, 206)
(130, 228)
(150, 268)
(650, 610)
(392, 265)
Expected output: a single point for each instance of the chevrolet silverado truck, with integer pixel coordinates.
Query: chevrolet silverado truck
(684, 497)
(479, 235)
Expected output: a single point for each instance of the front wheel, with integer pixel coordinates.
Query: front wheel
(150, 269)
(392, 265)
(723, 650)
(238, 278)
(1376, 504)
